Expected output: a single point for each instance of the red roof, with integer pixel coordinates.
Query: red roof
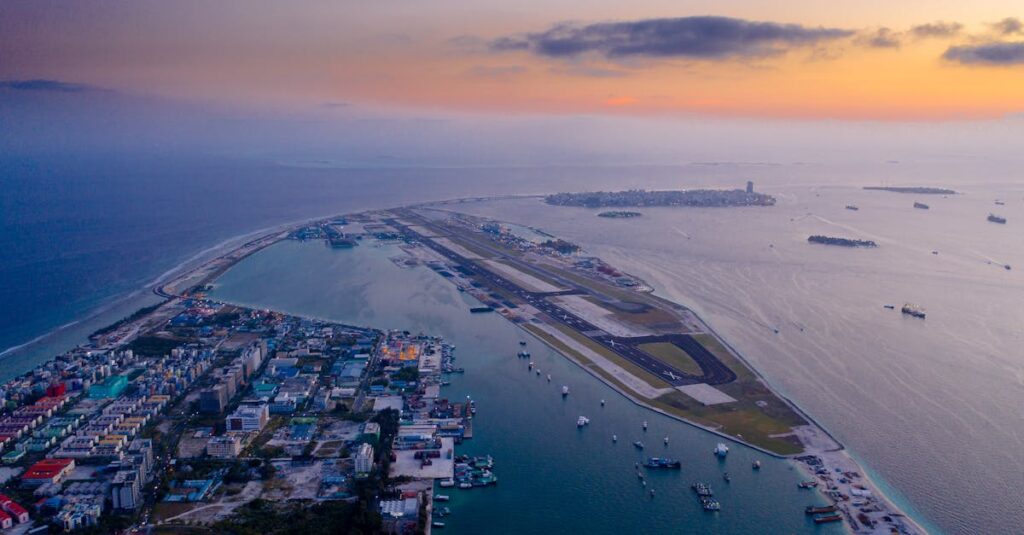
(15, 509)
(4, 516)
(4, 499)
(47, 468)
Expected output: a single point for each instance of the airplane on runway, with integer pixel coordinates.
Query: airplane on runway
(671, 375)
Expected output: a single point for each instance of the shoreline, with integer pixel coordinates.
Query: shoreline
(213, 261)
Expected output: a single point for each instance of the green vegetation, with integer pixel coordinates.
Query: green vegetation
(408, 374)
(673, 355)
(132, 317)
(154, 346)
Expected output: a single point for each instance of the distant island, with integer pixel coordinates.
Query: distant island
(915, 189)
(619, 214)
(841, 242)
(638, 197)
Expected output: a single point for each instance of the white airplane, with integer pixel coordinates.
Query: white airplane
(611, 343)
(671, 375)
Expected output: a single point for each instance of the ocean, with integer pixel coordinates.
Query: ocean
(933, 407)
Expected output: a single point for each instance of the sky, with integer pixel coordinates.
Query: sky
(327, 69)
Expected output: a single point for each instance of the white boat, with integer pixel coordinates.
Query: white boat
(582, 421)
(549, 377)
(565, 391)
(666, 441)
(602, 403)
(615, 438)
(645, 425)
(446, 483)
(757, 465)
(721, 449)
(441, 498)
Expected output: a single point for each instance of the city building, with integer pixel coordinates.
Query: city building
(225, 447)
(111, 387)
(364, 460)
(126, 490)
(248, 418)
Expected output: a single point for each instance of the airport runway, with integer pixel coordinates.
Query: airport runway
(714, 371)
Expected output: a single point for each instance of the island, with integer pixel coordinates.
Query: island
(200, 412)
(923, 190)
(703, 198)
(841, 242)
(619, 214)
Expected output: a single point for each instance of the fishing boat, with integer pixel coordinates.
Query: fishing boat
(832, 517)
(659, 462)
(721, 450)
(582, 421)
(821, 509)
(702, 489)
(615, 438)
(565, 391)
(602, 403)
(549, 377)
(645, 425)
(756, 465)
(666, 441)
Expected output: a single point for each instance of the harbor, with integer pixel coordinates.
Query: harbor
(575, 476)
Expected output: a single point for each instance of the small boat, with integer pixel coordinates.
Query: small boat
(437, 524)
(565, 391)
(726, 477)
(582, 421)
(549, 377)
(615, 438)
(807, 484)
(890, 307)
(666, 441)
(1007, 267)
(997, 219)
(721, 450)
(913, 311)
(999, 203)
(465, 485)
(639, 445)
(446, 483)
(710, 505)
(538, 372)
(602, 403)
(522, 342)
(441, 498)
(852, 207)
(921, 206)
(645, 425)
(530, 365)
(756, 465)
(523, 354)
(652, 493)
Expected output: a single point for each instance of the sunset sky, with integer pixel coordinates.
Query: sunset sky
(910, 61)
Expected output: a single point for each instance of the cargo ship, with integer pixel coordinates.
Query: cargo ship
(913, 310)
(996, 219)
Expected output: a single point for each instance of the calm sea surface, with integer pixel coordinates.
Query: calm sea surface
(934, 406)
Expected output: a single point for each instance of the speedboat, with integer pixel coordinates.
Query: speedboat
(721, 450)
